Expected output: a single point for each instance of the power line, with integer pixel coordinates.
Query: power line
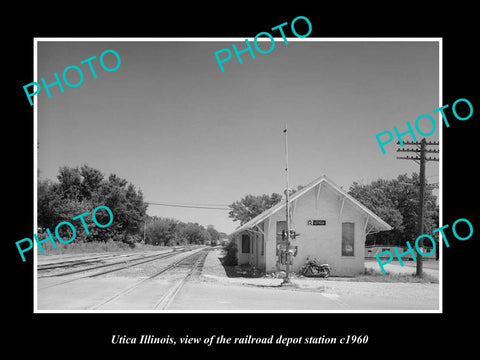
(194, 204)
(191, 206)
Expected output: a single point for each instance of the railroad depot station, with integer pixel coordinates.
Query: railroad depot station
(331, 226)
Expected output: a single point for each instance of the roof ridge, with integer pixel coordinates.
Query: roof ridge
(265, 214)
(281, 203)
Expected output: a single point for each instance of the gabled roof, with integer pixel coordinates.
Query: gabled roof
(373, 219)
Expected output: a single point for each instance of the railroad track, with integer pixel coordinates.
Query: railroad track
(73, 263)
(164, 302)
(123, 265)
(90, 260)
(197, 260)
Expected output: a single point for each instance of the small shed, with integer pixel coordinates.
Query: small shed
(331, 227)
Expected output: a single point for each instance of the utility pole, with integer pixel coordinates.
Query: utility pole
(287, 209)
(144, 229)
(420, 151)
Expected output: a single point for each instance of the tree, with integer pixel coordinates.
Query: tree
(214, 234)
(92, 180)
(252, 205)
(48, 199)
(396, 202)
(161, 231)
(193, 233)
(79, 190)
(127, 205)
(376, 196)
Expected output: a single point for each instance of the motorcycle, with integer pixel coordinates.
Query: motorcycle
(313, 269)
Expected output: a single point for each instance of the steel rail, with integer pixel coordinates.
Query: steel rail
(107, 265)
(71, 263)
(128, 265)
(164, 302)
(137, 284)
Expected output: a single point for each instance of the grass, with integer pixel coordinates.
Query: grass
(372, 275)
(94, 247)
(369, 275)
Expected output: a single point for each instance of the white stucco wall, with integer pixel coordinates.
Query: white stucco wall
(321, 242)
(256, 256)
(243, 258)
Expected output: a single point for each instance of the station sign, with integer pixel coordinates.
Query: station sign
(316, 222)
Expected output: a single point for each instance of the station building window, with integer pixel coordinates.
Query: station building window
(348, 238)
(245, 244)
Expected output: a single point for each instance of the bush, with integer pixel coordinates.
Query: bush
(230, 257)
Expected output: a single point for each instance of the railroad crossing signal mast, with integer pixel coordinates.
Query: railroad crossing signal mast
(420, 151)
(286, 280)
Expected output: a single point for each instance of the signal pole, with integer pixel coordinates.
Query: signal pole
(420, 152)
(144, 228)
(287, 209)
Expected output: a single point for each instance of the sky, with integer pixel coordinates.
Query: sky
(170, 122)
